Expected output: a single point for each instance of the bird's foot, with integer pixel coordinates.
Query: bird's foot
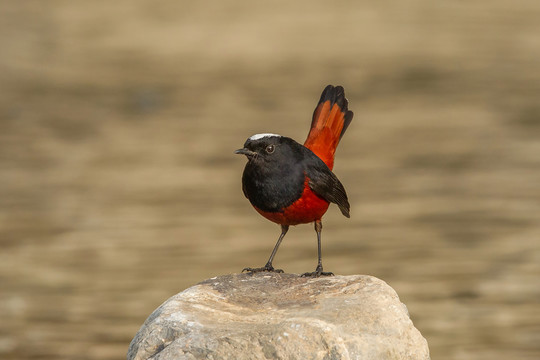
(265, 268)
(318, 273)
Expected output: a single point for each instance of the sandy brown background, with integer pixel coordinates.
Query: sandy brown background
(119, 188)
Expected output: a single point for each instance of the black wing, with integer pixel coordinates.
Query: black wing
(324, 183)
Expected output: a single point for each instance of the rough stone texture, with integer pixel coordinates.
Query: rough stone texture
(281, 316)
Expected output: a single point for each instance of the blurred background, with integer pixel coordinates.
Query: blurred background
(119, 186)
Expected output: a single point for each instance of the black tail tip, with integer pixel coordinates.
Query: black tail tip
(336, 95)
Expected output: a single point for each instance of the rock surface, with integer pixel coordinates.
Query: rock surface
(281, 316)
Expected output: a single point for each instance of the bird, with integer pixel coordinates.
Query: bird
(289, 183)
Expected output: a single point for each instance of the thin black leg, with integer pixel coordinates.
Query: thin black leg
(319, 270)
(268, 267)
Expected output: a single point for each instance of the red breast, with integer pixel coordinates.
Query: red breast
(308, 208)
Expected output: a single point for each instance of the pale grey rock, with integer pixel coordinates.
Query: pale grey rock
(281, 316)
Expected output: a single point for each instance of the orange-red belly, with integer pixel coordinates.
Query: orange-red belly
(308, 208)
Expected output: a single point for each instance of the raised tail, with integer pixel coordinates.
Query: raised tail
(330, 120)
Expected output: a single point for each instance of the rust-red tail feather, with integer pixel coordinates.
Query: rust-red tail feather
(330, 120)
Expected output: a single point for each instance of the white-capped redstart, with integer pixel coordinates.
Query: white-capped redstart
(289, 183)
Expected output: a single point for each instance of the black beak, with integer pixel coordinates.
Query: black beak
(246, 152)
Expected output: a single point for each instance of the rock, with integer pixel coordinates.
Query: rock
(281, 316)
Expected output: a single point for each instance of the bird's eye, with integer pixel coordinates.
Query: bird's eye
(270, 149)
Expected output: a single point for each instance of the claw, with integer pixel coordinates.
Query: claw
(266, 268)
(318, 272)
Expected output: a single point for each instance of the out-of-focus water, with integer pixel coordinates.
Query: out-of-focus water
(119, 186)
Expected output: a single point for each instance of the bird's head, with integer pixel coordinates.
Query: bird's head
(262, 146)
